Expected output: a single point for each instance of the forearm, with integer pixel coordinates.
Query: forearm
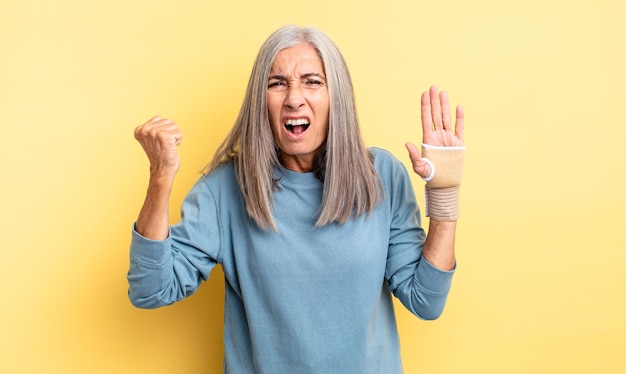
(159, 138)
(153, 219)
(439, 245)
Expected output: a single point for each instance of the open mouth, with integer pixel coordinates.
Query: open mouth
(297, 126)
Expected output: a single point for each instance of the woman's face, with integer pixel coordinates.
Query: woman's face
(298, 106)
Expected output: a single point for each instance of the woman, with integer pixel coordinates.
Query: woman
(313, 230)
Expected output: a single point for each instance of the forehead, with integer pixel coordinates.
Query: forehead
(299, 59)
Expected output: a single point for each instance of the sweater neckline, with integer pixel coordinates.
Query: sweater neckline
(285, 175)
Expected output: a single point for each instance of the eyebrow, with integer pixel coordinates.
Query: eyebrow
(303, 76)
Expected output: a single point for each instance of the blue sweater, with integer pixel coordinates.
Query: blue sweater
(302, 299)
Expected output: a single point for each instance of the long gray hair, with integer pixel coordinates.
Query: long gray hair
(351, 185)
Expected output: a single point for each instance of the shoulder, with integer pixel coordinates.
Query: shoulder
(385, 162)
(381, 154)
(394, 178)
(219, 180)
(220, 174)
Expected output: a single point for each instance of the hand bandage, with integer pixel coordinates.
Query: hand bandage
(443, 185)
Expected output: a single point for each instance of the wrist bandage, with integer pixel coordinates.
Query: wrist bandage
(443, 185)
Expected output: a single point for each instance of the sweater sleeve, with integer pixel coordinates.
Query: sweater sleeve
(422, 288)
(163, 272)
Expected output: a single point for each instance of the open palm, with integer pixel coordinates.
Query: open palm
(437, 127)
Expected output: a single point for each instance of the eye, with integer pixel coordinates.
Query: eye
(313, 83)
(275, 85)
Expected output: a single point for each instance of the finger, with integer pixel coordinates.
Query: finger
(435, 107)
(460, 122)
(141, 128)
(445, 111)
(178, 137)
(166, 133)
(427, 118)
(175, 133)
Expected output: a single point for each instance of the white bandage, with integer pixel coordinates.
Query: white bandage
(443, 185)
(432, 170)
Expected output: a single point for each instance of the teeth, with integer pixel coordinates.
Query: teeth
(297, 122)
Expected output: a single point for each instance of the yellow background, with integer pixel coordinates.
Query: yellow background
(541, 282)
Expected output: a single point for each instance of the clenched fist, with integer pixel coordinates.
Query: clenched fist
(160, 138)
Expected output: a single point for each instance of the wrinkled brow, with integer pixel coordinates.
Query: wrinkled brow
(303, 76)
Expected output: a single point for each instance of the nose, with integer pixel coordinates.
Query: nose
(295, 97)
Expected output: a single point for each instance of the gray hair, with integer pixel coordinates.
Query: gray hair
(351, 184)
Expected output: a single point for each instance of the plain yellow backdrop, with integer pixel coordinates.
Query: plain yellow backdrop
(541, 282)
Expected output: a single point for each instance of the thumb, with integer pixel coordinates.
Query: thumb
(414, 152)
(421, 167)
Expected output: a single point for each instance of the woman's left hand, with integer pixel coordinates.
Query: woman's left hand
(437, 127)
